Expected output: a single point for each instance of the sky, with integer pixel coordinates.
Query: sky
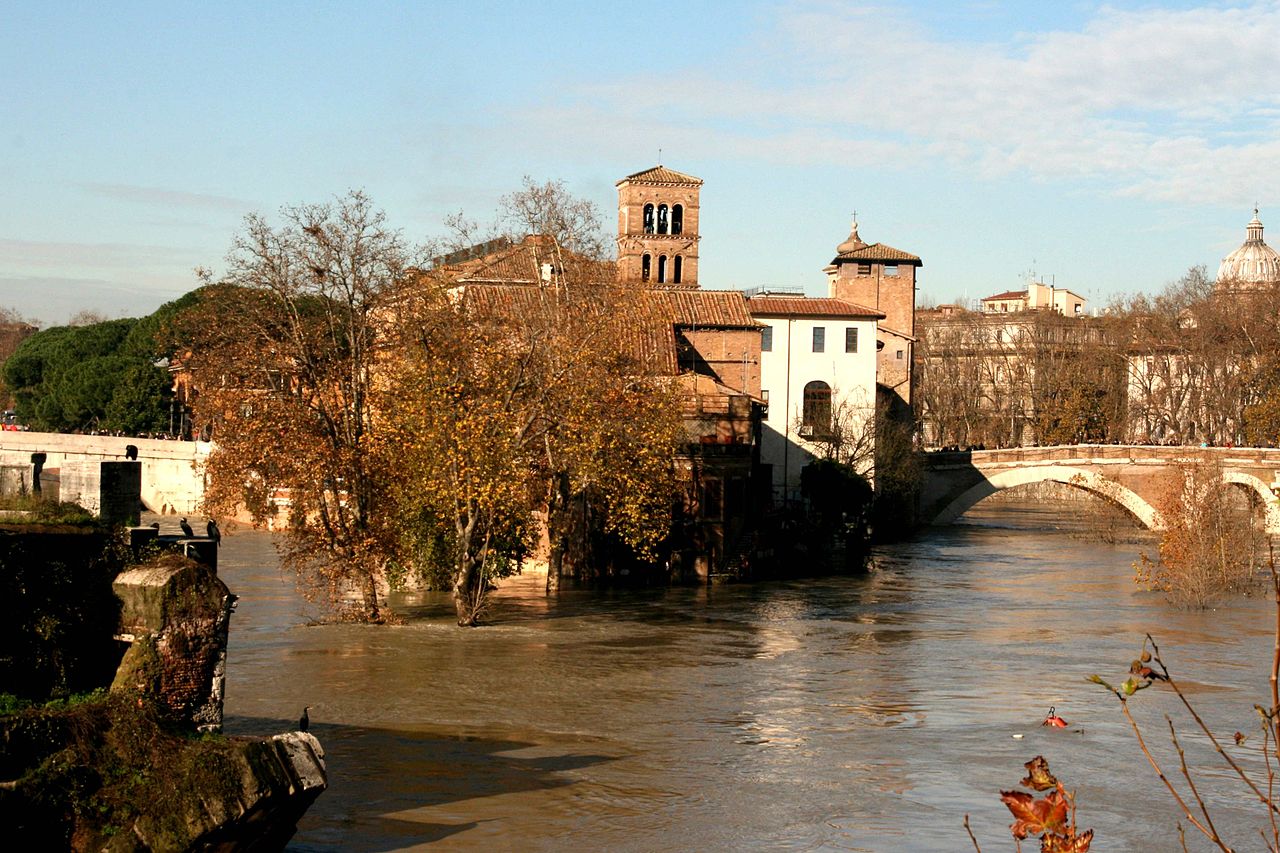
(1105, 147)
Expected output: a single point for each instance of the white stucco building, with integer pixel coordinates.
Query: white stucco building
(1037, 297)
(818, 375)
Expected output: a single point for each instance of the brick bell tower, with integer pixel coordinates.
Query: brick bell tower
(658, 229)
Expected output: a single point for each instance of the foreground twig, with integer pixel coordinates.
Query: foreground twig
(1186, 774)
(1262, 798)
(1155, 765)
(971, 836)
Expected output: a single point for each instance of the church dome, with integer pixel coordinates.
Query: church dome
(1253, 265)
(853, 243)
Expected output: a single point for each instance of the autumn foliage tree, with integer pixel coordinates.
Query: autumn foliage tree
(281, 352)
(512, 401)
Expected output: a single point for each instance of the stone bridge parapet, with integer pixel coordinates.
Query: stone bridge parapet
(1133, 477)
(172, 471)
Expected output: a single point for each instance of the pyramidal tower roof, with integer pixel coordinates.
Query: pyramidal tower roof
(660, 174)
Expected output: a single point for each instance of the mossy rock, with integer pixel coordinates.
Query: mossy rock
(110, 774)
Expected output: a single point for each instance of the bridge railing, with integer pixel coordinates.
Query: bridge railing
(1251, 455)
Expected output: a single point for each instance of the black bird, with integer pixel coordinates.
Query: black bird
(304, 722)
(155, 525)
(214, 533)
(186, 528)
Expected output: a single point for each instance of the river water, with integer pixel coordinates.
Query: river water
(845, 713)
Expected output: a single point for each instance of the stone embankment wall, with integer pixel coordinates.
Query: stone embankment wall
(172, 471)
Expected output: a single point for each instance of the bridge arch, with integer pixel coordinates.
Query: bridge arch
(1270, 506)
(1108, 490)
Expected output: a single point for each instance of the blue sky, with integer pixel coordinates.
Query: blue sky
(1108, 146)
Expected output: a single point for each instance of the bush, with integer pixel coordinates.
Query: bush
(1210, 547)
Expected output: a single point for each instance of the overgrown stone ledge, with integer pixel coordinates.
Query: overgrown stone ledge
(109, 774)
(140, 766)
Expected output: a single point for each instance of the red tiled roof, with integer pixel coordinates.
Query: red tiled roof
(803, 306)
(661, 175)
(1008, 294)
(879, 252)
(706, 308)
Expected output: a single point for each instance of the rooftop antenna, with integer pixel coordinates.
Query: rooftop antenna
(659, 156)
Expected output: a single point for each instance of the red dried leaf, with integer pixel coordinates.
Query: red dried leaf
(1034, 816)
(1066, 844)
(1038, 776)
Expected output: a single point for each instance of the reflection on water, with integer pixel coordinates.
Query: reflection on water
(866, 713)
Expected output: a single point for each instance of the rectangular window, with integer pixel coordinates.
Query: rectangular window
(850, 339)
(899, 355)
(890, 269)
(766, 339)
(864, 269)
(819, 339)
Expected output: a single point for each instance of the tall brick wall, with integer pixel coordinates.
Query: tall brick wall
(732, 356)
(895, 295)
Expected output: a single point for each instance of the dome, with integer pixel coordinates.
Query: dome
(1253, 265)
(854, 241)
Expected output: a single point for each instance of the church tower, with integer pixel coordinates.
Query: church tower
(658, 228)
(884, 278)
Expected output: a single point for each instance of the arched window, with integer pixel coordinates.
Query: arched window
(677, 218)
(662, 269)
(645, 263)
(648, 219)
(816, 414)
(677, 268)
(662, 219)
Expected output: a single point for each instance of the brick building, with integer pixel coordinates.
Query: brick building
(882, 278)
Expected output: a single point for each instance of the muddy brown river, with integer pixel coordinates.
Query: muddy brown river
(843, 713)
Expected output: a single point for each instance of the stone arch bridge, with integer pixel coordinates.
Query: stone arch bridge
(1130, 476)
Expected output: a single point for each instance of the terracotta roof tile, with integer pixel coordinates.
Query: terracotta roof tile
(804, 306)
(706, 308)
(1008, 294)
(879, 252)
(661, 175)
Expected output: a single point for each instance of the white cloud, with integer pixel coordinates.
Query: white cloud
(158, 196)
(1176, 105)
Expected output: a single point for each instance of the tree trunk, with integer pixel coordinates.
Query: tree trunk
(371, 596)
(466, 593)
(557, 516)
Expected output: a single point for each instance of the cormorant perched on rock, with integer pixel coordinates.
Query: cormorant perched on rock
(214, 533)
(304, 722)
(186, 528)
